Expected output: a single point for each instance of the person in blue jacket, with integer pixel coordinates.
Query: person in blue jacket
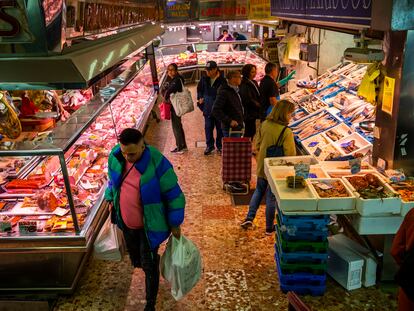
(206, 96)
(240, 37)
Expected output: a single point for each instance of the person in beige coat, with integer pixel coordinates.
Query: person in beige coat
(273, 128)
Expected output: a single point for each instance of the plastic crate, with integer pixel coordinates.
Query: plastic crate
(293, 234)
(300, 278)
(301, 246)
(303, 289)
(303, 223)
(300, 267)
(301, 256)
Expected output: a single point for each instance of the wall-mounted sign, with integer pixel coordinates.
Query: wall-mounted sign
(13, 22)
(176, 11)
(223, 9)
(259, 10)
(355, 12)
(388, 95)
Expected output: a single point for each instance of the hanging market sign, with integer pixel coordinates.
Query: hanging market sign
(176, 11)
(259, 10)
(223, 9)
(14, 27)
(355, 12)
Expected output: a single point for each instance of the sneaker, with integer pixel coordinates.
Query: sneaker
(208, 151)
(246, 224)
(177, 151)
(271, 231)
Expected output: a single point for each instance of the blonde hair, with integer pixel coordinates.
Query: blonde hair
(280, 112)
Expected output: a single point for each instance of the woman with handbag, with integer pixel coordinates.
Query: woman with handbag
(274, 139)
(173, 84)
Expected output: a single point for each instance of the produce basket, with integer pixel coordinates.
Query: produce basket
(332, 203)
(375, 206)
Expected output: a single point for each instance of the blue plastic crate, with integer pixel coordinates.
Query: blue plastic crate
(304, 289)
(300, 256)
(290, 233)
(314, 222)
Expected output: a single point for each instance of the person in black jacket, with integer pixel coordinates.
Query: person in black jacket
(206, 95)
(250, 94)
(228, 107)
(173, 84)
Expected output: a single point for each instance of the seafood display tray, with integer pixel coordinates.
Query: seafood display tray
(278, 172)
(376, 207)
(334, 203)
(289, 199)
(359, 141)
(281, 161)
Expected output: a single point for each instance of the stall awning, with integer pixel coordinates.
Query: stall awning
(78, 66)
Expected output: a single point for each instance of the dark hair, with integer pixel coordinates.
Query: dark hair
(173, 65)
(225, 30)
(235, 34)
(130, 136)
(270, 66)
(232, 73)
(247, 69)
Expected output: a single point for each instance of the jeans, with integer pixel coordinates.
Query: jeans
(209, 124)
(262, 189)
(178, 130)
(143, 257)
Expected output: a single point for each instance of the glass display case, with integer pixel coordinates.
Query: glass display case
(51, 195)
(191, 56)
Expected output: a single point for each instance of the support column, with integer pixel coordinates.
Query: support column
(150, 54)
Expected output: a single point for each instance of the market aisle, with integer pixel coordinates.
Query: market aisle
(239, 269)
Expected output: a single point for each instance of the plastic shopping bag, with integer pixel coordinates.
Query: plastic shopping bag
(109, 244)
(181, 266)
(165, 111)
(182, 101)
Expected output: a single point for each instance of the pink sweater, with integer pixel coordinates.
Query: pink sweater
(130, 199)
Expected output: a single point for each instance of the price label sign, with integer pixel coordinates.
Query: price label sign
(302, 170)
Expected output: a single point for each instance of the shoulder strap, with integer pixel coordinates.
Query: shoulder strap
(127, 173)
(280, 139)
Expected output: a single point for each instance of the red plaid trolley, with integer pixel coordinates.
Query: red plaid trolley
(237, 160)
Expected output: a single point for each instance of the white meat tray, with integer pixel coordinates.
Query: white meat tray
(285, 171)
(333, 203)
(376, 207)
(289, 199)
(282, 161)
(376, 225)
(360, 142)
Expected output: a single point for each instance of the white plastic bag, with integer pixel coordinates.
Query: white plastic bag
(182, 101)
(181, 266)
(109, 244)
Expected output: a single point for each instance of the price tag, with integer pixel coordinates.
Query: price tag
(60, 211)
(27, 227)
(313, 144)
(302, 170)
(355, 165)
(323, 186)
(317, 152)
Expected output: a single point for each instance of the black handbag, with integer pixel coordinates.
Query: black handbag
(276, 150)
(405, 275)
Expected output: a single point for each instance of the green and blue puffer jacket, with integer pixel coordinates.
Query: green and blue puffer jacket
(163, 201)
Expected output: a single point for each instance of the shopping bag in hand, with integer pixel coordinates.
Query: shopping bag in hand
(182, 101)
(181, 266)
(165, 111)
(109, 244)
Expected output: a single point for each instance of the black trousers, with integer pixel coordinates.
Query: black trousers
(178, 130)
(250, 128)
(143, 257)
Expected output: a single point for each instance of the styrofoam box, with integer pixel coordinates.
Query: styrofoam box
(342, 173)
(369, 270)
(376, 225)
(334, 204)
(289, 199)
(344, 266)
(406, 207)
(339, 165)
(285, 171)
(342, 129)
(376, 207)
(320, 138)
(361, 142)
(281, 161)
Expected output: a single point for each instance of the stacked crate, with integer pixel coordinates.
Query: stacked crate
(301, 253)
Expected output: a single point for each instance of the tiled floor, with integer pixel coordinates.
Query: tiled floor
(238, 266)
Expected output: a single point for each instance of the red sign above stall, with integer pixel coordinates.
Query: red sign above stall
(223, 10)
